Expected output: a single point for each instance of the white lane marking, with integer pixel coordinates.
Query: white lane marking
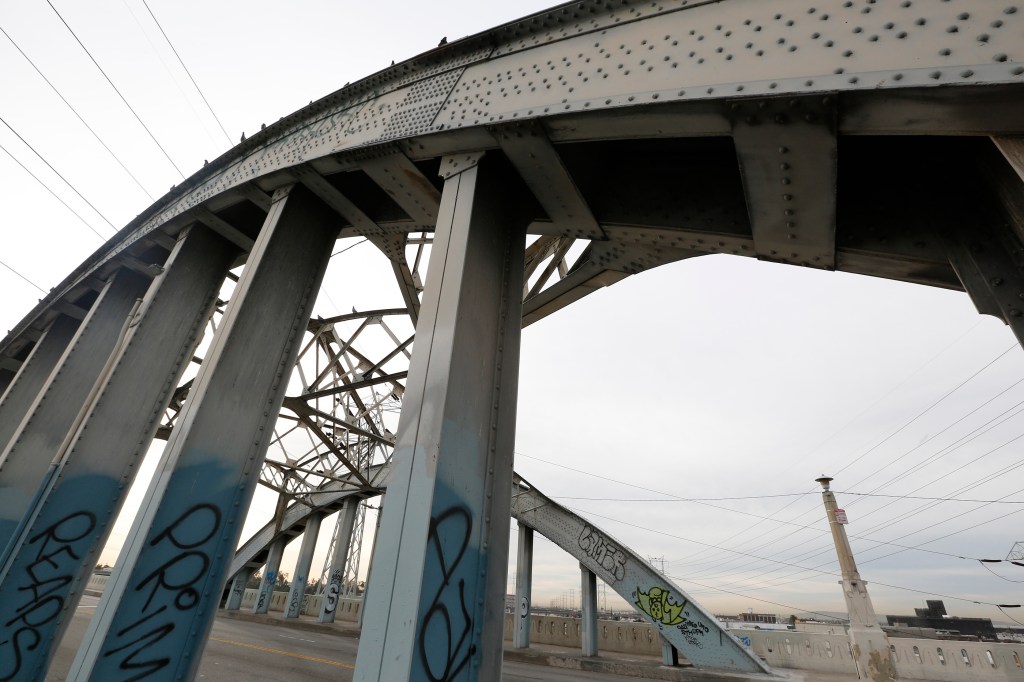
(299, 639)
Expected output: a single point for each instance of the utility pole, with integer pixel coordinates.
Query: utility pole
(867, 639)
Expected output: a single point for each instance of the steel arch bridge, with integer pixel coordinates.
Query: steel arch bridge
(619, 135)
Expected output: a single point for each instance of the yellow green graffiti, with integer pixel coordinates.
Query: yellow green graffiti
(658, 604)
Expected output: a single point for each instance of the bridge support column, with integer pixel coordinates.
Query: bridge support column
(339, 563)
(27, 456)
(162, 596)
(269, 578)
(32, 375)
(300, 577)
(436, 605)
(237, 591)
(373, 553)
(72, 512)
(588, 600)
(669, 654)
(524, 586)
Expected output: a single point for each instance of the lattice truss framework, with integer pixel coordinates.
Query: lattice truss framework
(337, 424)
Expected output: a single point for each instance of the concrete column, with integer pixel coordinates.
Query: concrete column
(269, 578)
(339, 562)
(869, 643)
(300, 577)
(437, 600)
(588, 600)
(524, 584)
(182, 541)
(32, 375)
(72, 512)
(669, 654)
(237, 591)
(26, 459)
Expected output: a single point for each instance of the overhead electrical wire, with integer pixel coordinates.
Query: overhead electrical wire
(933, 437)
(59, 176)
(187, 72)
(847, 425)
(134, 113)
(777, 561)
(22, 276)
(923, 412)
(775, 540)
(77, 115)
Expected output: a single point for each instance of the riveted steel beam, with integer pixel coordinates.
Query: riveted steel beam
(223, 228)
(33, 374)
(72, 512)
(300, 576)
(682, 621)
(443, 543)
(526, 145)
(26, 459)
(403, 181)
(788, 158)
(524, 587)
(192, 515)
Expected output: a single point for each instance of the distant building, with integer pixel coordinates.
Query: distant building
(750, 617)
(934, 616)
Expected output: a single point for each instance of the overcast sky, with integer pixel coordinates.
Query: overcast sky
(717, 377)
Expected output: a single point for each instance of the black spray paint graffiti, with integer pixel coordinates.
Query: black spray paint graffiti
(598, 548)
(296, 600)
(333, 590)
(43, 586)
(169, 585)
(451, 529)
(266, 592)
(693, 631)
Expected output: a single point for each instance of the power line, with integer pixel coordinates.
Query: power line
(22, 276)
(777, 561)
(137, 117)
(50, 190)
(923, 412)
(764, 497)
(180, 61)
(75, 112)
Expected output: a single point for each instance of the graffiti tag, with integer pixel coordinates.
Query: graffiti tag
(598, 548)
(169, 585)
(333, 590)
(659, 605)
(449, 536)
(43, 587)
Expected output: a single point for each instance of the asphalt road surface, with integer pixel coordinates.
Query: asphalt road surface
(253, 652)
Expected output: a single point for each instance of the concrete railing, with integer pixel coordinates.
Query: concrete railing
(348, 609)
(612, 635)
(916, 659)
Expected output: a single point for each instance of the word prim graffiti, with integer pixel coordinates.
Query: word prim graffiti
(42, 585)
(169, 585)
(659, 605)
(608, 555)
(449, 537)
